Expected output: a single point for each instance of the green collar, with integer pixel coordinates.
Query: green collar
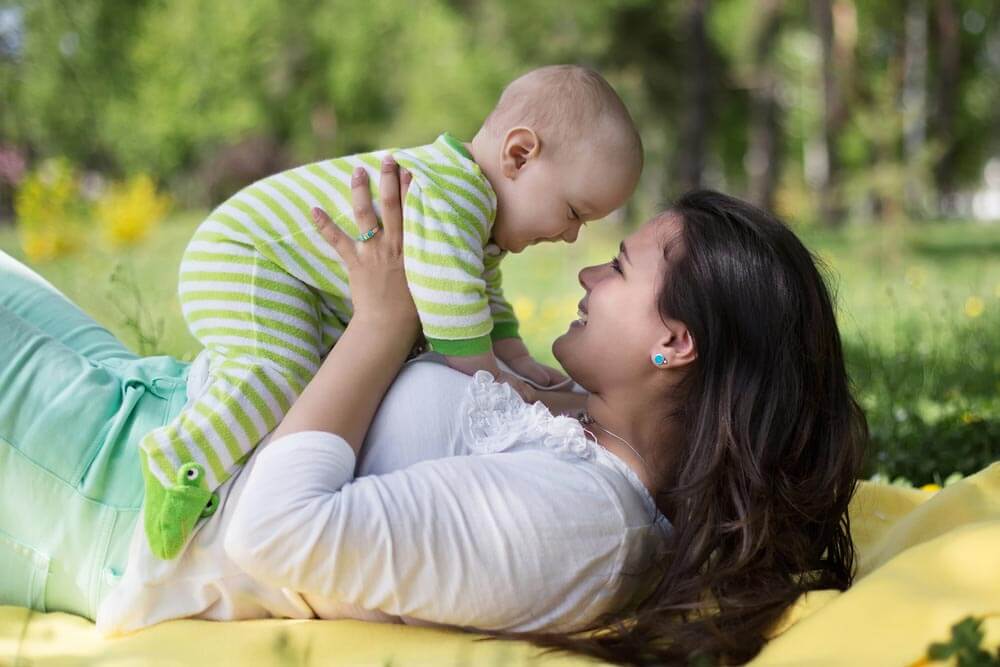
(457, 145)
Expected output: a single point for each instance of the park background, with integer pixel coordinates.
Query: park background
(872, 127)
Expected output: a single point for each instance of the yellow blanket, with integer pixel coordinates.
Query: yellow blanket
(927, 560)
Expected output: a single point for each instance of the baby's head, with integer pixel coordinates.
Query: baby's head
(559, 149)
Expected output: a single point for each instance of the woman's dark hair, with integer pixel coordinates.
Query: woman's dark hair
(773, 446)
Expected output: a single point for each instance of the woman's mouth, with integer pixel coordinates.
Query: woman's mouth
(581, 315)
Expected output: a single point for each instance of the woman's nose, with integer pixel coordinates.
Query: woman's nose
(587, 276)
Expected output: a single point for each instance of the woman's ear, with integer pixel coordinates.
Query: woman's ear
(520, 144)
(676, 347)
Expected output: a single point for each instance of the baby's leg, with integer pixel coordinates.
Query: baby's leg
(261, 329)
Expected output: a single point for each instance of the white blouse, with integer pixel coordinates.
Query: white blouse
(469, 508)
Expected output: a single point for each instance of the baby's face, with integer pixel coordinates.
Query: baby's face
(549, 200)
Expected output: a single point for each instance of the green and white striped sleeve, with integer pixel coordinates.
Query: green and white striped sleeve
(444, 268)
(505, 323)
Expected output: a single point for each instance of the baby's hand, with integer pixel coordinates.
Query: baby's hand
(526, 391)
(544, 376)
(487, 362)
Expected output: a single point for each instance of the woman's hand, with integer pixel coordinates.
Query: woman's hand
(379, 290)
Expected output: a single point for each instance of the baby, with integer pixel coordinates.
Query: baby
(268, 297)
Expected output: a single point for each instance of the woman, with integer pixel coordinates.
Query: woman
(706, 488)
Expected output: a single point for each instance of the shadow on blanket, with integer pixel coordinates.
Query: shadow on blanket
(926, 561)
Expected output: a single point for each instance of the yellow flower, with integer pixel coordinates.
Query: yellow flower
(969, 417)
(930, 487)
(39, 246)
(49, 211)
(974, 306)
(129, 211)
(524, 308)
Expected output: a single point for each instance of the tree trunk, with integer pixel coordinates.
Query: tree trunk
(696, 103)
(826, 166)
(765, 135)
(914, 100)
(947, 35)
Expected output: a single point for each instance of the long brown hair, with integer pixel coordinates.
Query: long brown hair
(773, 447)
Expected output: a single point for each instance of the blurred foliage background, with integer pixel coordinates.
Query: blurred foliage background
(872, 127)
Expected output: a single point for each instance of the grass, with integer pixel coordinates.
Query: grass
(919, 308)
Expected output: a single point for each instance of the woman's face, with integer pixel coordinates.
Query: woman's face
(619, 327)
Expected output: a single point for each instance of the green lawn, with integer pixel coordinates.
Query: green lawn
(919, 310)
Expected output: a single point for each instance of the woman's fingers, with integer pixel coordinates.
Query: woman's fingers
(389, 199)
(361, 201)
(333, 235)
(404, 179)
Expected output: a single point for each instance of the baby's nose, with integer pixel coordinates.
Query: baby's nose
(569, 236)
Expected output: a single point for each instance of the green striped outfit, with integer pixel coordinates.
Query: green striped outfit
(268, 297)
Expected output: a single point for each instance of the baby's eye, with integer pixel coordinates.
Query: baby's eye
(573, 214)
(616, 265)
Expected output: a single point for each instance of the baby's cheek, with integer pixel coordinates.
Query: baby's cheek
(536, 228)
(525, 226)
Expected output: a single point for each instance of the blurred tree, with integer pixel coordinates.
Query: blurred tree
(798, 105)
(914, 105)
(645, 39)
(211, 77)
(964, 123)
(946, 30)
(835, 58)
(697, 75)
(875, 173)
(764, 156)
(67, 65)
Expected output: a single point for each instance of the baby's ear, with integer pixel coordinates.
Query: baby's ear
(520, 145)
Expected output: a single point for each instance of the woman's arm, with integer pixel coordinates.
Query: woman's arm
(343, 396)
(522, 541)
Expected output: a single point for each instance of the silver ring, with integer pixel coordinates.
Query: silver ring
(367, 235)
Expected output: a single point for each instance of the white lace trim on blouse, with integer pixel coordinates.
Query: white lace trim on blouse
(496, 418)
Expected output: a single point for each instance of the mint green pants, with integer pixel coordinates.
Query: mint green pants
(74, 403)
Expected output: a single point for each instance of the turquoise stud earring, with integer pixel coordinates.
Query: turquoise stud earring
(659, 359)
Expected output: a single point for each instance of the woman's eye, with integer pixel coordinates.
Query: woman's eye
(616, 265)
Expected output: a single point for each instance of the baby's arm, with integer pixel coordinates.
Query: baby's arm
(488, 362)
(446, 280)
(514, 353)
(507, 344)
